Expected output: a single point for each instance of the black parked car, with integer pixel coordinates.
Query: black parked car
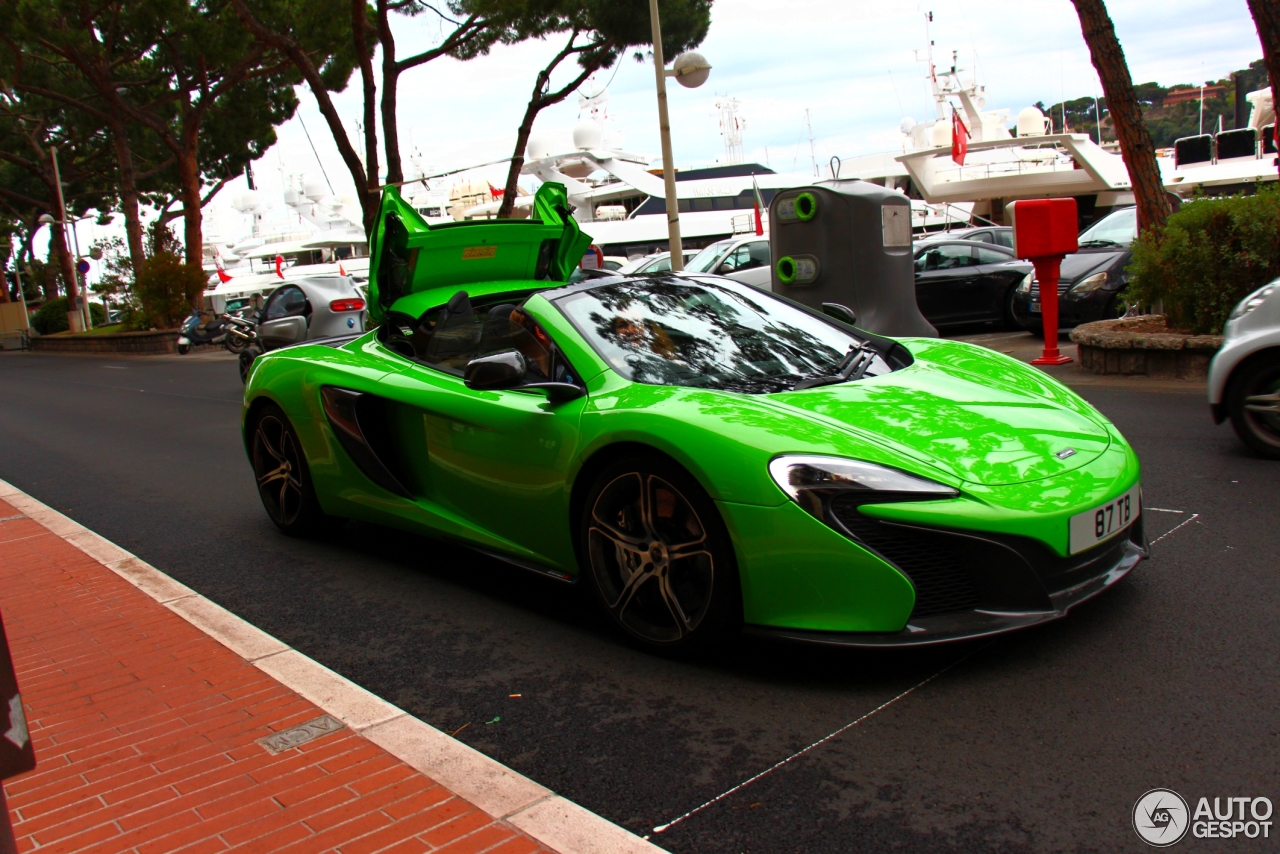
(967, 281)
(1001, 235)
(1090, 280)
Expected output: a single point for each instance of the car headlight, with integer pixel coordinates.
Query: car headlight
(1024, 287)
(812, 480)
(1090, 284)
(1253, 300)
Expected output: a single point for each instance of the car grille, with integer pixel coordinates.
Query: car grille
(942, 585)
(1063, 287)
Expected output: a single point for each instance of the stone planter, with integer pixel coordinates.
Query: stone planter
(137, 343)
(1142, 346)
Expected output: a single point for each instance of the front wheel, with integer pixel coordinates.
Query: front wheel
(658, 556)
(1253, 401)
(247, 355)
(284, 479)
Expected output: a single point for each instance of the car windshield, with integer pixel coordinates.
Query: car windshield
(696, 333)
(1119, 228)
(706, 259)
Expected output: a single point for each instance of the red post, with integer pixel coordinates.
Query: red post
(1047, 272)
(1044, 231)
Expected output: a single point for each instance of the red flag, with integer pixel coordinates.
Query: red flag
(959, 138)
(217, 262)
(759, 203)
(341, 270)
(280, 266)
(495, 192)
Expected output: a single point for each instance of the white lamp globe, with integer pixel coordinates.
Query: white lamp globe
(691, 69)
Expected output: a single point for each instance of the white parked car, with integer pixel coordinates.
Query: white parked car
(658, 262)
(1244, 376)
(743, 258)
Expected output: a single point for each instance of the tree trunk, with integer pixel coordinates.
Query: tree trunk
(390, 88)
(517, 156)
(129, 196)
(67, 267)
(1126, 114)
(1266, 17)
(192, 215)
(358, 36)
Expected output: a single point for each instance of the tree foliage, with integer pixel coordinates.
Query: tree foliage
(1212, 253)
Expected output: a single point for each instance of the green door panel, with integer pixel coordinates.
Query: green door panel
(496, 460)
(798, 573)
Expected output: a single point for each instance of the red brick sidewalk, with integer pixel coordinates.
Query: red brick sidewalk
(145, 731)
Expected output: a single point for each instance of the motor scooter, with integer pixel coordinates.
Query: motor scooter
(201, 328)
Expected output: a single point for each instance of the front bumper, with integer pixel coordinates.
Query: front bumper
(973, 585)
(1073, 309)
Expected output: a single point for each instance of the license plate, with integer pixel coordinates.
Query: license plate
(1035, 308)
(1102, 523)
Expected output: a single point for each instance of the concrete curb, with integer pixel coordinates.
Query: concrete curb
(501, 792)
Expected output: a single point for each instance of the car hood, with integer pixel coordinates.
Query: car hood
(978, 416)
(1080, 264)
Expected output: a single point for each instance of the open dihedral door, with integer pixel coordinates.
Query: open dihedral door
(407, 255)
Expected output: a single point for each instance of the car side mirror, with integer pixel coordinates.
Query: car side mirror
(842, 313)
(509, 370)
(726, 267)
(498, 371)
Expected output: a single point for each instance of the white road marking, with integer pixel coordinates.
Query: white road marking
(1163, 510)
(1194, 516)
(664, 827)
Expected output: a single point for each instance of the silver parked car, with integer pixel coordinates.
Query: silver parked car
(306, 310)
(1244, 376)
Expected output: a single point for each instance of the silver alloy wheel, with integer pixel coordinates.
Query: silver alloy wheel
(650, 557)
(276, 464)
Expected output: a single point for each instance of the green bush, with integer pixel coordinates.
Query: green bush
(52, 317)
(1212, 254)
(165, 289)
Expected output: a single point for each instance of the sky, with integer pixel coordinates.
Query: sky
(852, 65)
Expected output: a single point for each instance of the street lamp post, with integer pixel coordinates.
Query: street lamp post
(73, 285)
(690, 70)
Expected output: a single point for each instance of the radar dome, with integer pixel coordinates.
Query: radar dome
(940, 134)
(291, 197)
(247, 201)
(907, 126)
(587, 135)
(539, 148)
(1031, 122)
(315, 190)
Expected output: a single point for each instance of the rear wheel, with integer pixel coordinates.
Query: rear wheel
(1010, 316)
(658, 556)
(1253, 401)
(247, 355)
(280, 467)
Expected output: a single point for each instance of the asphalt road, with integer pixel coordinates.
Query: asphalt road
(1041, 741)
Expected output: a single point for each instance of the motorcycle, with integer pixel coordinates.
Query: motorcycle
(241, 333)
(197, 330)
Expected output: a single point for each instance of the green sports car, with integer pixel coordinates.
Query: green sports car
(704, 455)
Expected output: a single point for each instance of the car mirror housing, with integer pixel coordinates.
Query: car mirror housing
(497, 371)
(508, 370)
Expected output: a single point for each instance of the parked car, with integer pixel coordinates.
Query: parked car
(699, 453)
(1000, 235)
(658, 262)
(1090, 280)
(743, 258)
(1244, 376)
(306, 310)
(967, 281)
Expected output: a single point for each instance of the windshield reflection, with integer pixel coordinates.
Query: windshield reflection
(707, 335)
